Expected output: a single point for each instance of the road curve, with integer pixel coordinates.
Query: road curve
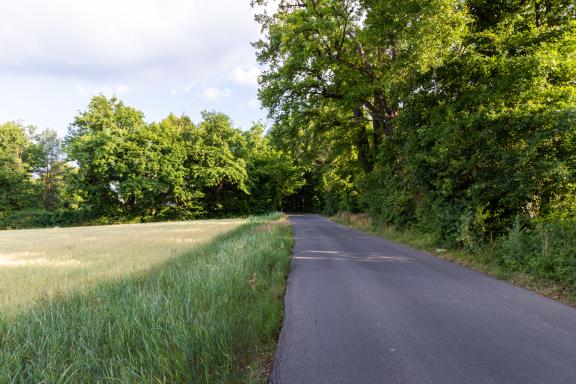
(363, 310)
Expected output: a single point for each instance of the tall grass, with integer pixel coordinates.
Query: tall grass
(209, 316)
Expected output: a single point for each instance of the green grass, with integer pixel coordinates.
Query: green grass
(485, 260)
(210, 315)
(45, 263)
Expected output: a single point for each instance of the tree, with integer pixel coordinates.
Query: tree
(99, 143)
(487, 135)
(155, 176)
(357, 57)
(17, 190)
(214, 163)
(447, 115)
(338, 73)
(46, 158)
(128, 167)
(272, 175)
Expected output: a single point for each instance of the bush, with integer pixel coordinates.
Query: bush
(39, 218)
(513, 249)
(548, 250)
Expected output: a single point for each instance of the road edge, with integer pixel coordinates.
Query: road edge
(546, 288)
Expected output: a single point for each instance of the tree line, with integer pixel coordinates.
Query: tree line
(454, 118)
(113, 166)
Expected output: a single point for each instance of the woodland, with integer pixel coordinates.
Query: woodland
(451, 119)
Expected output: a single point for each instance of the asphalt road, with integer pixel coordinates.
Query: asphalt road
(363, 310)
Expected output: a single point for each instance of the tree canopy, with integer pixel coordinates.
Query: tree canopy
(114, 166)
(446, 115)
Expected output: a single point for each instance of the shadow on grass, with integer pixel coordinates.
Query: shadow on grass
(210, 315)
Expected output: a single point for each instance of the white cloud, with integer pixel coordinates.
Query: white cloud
(246, 76)
(253, 103)
(110, 35)
(214, 93)
(61, 52)
(105, 89)
(183, 91)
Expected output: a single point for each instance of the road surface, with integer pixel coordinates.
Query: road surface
(362, 310)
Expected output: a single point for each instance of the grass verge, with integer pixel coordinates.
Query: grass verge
(481, 261)
(209, 316)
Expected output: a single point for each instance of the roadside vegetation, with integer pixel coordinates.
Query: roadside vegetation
(451, 119)
(210, 315)
(541, 260)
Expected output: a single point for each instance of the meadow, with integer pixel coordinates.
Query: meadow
(139, 305)
(37, 264)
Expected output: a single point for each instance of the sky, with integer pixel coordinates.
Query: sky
(159, 56)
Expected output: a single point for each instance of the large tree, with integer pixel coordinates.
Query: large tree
(99, 143)
(347, 65)
(459, 113)
(214, 163)
(128, 167)
(337, 74)
(272, 175)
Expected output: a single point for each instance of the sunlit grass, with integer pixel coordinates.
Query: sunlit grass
(43, 263)
(210, 315)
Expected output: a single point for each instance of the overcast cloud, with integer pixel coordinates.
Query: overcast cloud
(160, 56)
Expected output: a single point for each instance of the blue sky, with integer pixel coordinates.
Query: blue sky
(160, 56)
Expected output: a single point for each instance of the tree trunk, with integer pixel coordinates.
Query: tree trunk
(218, 193)
(365, 154)
(383, 116)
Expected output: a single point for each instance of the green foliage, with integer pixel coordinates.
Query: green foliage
(472, 229)
(214, 164)
(120, 168)
(46, 158)
(101, 142)
(17, 189)
(514, 248)
(272, 175)
(546, 250)
(337, 74)
(40, 218)
(452, 118)
(448, 116)
(497, 137)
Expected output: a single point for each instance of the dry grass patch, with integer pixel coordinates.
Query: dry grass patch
(44, 263)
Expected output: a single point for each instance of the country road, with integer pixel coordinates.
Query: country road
(363, 310)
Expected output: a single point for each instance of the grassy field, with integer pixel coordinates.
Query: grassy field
(37, 264)
(210, 315)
